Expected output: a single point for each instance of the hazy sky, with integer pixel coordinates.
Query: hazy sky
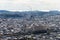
(30, 5)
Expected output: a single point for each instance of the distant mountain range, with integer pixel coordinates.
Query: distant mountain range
(10, 14)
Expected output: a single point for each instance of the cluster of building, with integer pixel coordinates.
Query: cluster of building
(10, 28)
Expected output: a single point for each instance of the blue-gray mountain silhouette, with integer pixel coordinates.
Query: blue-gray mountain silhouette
(10, 14)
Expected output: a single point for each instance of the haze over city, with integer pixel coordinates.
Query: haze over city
(27, 5)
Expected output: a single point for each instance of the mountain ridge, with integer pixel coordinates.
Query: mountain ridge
(9, 14)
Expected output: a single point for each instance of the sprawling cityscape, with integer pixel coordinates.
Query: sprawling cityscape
(29, 25)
